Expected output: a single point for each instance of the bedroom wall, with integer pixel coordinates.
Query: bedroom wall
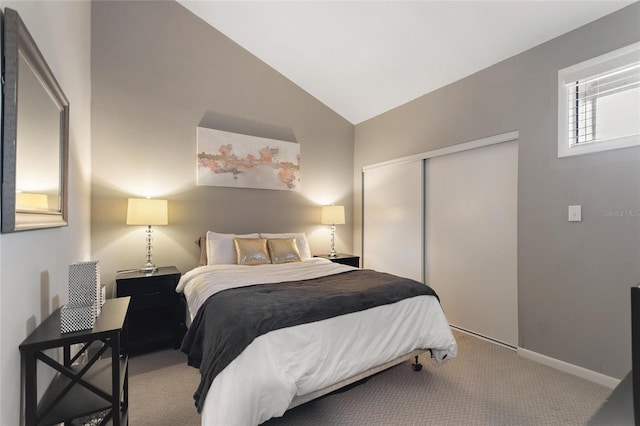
(573, 278)
(34, 264)
(158, 72)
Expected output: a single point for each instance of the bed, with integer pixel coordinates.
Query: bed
(330, 330)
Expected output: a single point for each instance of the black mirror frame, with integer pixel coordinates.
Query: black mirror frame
(16, 37)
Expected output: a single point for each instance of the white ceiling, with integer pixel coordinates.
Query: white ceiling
(363, 58)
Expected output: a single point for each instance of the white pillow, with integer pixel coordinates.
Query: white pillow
(301, 242)
(220, 248)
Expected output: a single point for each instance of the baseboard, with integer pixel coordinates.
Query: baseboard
(584, 373)
(601, 379)
(485, 338)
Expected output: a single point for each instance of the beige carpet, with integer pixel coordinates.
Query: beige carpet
(485, 385)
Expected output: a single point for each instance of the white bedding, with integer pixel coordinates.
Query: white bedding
(204, 281)
(262, 381)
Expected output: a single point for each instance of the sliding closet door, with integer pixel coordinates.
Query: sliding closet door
(471, 238)
(392, 219)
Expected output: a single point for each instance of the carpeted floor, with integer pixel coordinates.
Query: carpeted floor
(485, 385)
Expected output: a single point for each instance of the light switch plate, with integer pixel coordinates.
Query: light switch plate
(575, 213)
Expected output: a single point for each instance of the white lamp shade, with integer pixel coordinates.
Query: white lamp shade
(32, 201)
(332, 215)
(145, 211)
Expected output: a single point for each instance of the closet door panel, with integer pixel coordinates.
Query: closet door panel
(393, 219)
(471, 238)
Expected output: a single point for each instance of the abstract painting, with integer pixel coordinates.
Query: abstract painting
(243, 161)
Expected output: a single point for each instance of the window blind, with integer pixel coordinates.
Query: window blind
(583, 100)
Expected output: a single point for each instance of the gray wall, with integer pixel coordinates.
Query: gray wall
(573, 278)
(34, 264)
(158, 72)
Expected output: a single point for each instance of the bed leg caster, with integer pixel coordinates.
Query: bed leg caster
(416, 366)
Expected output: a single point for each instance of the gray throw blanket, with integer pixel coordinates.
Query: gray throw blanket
(231, 319)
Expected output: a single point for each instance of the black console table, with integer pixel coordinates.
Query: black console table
(98, 386)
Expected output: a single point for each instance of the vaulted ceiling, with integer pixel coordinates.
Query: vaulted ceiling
(363, 58)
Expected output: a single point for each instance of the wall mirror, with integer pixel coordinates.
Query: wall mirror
(35, 135)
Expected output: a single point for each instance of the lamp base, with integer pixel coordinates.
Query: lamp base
(149, 268)
(332, 253)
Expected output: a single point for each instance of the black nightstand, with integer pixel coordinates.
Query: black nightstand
(345, 259)
(156, 317)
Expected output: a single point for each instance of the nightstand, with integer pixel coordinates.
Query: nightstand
(156, 317)
(345, 259)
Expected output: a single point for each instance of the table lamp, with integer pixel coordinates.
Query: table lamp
(148, 212)
(332, 215)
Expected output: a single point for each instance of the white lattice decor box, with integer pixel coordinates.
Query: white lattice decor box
(76, 318)
(85, 297)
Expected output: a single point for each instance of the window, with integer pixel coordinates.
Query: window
(599, 103)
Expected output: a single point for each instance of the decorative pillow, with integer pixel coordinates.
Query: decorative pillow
(252, 251)
(283, 250)
(220, 248)
(301, 242)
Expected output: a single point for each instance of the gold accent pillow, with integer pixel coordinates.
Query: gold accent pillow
(251, 251)
(283, 250)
